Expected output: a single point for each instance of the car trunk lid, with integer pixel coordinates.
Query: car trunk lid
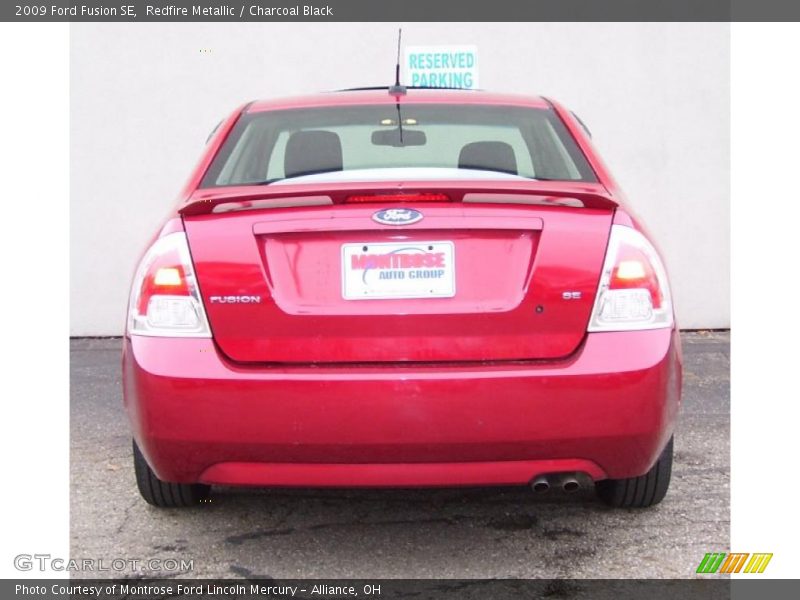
(324, 281)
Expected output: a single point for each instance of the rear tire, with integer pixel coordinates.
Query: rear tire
(162, 493)
(639, 492)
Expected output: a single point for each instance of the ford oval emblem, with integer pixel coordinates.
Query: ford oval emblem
(397, 216)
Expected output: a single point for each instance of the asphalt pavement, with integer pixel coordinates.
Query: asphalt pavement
(450, 533)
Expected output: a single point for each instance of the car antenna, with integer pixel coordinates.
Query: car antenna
(397, 88)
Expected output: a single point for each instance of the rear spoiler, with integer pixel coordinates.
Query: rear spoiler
(226, 199)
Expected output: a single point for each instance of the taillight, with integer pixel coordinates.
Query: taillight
(634, 291)
(165, 300)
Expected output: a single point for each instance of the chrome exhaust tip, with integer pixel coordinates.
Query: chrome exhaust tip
(540, 485)
(570, 485)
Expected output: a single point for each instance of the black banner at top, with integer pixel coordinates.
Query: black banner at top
(398, 10)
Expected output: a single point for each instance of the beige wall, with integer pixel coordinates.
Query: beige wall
(144, 97)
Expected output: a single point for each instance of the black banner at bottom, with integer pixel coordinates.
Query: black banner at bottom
(391, 589)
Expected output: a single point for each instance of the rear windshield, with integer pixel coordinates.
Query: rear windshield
(271, 146)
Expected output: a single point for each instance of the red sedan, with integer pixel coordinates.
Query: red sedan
(401, 287)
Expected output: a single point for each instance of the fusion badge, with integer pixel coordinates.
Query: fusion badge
(235, 299)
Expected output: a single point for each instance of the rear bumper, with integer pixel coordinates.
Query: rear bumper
(607, 411)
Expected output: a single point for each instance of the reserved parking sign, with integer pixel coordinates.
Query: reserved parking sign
(442, 66)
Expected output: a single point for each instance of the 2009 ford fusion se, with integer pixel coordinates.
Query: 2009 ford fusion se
(398, 287)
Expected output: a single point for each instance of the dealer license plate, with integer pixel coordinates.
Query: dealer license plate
(382, 271)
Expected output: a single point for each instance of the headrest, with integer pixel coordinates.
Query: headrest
(309, 152)
(488, 156)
